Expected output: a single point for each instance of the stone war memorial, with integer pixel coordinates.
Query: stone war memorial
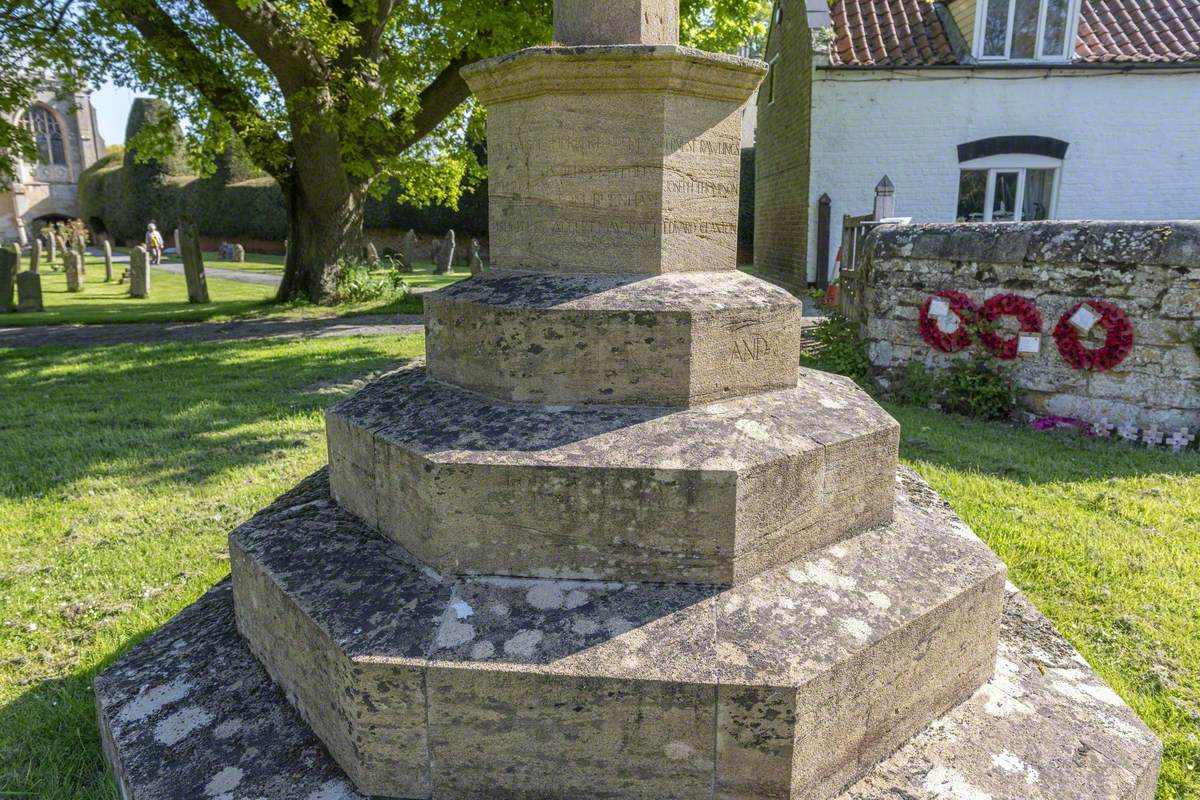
(610, 541)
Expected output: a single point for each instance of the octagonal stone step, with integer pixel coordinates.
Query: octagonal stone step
(710, 495)
(680, 339)
(790, 685)
(1045, 727)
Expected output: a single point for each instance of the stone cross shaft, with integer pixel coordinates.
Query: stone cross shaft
(607, 22)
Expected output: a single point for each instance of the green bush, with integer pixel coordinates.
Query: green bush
(838, 348)
(977, 387)
(914, 385)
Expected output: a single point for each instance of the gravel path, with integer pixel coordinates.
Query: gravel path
(100, 335)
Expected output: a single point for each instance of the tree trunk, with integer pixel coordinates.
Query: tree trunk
(325, 216)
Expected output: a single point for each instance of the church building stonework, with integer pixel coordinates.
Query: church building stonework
(68, 142)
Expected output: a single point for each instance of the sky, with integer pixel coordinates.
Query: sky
(112, 105)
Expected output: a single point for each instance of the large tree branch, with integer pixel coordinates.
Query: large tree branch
(205, 75)
(447, 91)
(292, 59)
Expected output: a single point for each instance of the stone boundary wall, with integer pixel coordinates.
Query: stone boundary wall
(1149, 270)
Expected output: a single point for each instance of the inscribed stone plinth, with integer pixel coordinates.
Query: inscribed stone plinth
(8, 280)
(188, 235)
(73, 265)
(29, 292)
(108, 262)
(139, 272)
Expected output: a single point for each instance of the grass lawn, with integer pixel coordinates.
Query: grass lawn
(102, 302)
(422, 276)
(125, 468)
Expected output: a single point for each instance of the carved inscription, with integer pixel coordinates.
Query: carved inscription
(752, 349)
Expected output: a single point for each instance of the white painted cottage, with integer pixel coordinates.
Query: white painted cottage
(986, 110)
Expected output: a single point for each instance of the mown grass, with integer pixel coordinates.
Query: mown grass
(421, 277)
(124, 468)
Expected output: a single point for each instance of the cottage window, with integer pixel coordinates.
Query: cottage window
(1007, 193)
(47, 135)
(1026, 30)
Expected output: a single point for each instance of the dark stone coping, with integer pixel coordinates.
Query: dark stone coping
(621, 50)
(1165, 244)
(693, 293)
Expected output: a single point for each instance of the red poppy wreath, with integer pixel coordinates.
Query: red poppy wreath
(1029, 320)
(958, 339)
(1118, 341)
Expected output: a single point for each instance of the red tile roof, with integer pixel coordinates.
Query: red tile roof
(893, 33)
(908, 33)
(1139, 30)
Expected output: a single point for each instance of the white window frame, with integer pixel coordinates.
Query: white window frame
(1072, 34)
(1017, 163)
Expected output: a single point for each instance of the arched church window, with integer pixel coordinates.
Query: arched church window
(47, 134)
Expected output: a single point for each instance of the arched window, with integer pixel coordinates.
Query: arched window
(1009, 178)
(47, 134)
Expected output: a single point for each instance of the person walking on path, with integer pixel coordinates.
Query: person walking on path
(154, 244)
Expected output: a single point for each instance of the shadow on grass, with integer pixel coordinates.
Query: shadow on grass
(1023, 455)
(149, 415)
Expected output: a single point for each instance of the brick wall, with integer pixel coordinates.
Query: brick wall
(781, 211)
(1151, 271)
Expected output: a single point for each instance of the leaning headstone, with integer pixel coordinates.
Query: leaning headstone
(445, 255)
(35, 256)
(29, 292)
(8, 280)
(139, 272)
(74, 267)
(408, 251)
(476, 263)
(188, 236)
(238, 254)
(108, 262)
(372, 254)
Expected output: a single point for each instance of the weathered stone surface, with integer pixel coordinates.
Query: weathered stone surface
(586, 22)
(711, 494)
(668, 340)
(538, 687)
(139, 272)
(1045, 727)
(188, 235)
(73, 266)
(29, 291)
(108, 262)
(35, 255)
(638, 156)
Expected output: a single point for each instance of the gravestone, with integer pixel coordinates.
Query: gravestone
(63, 249)
(372, 254)
(29, 292)
(35, 257)
(609, 540)
(178, 245)
(108, 262)
(476, 262)
(16, 251)
(22, 235)
(445, 255)
(73, 265)
(81, 253)
(408, 251)
(188, 236)
(239, 254)
(139, 272)
(52, 241)
(8, 280)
